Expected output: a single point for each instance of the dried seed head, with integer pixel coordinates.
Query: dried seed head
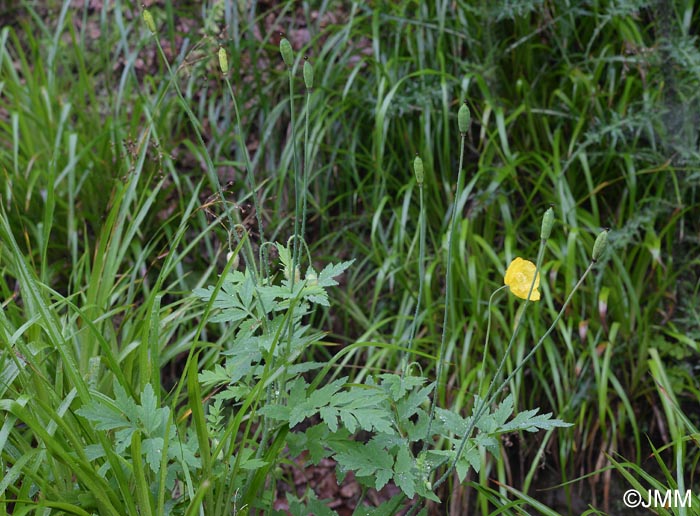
(148, 19)
(418, 169)
(287, 52)
(464, 118)
(547, 222)
(223, 60)
(600, 244)
(308, 74)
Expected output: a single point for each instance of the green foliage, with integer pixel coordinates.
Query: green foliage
(384, 410)
(387, 412)
(490, 426)
(126, 417)
(259, 315)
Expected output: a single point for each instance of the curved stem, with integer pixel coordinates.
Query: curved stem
(488, 334)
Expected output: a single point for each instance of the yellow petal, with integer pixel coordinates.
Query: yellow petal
(519, 276)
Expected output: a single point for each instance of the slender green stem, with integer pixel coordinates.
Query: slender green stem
(296, 178)
(265, 265)
(307, 167)
(211, 171)
(421, 276)
(295, 245)
(448, 288)
(483, 403)
(546, 334)
(249, 175)
(486, 340)
(511, 343)
(489, 400)
(295, 237)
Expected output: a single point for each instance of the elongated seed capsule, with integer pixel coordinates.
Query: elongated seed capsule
(308, 74)
(418, 169)
(223, 60)
(148, 19)
(464, 118)
(287, 52)
(547, 222)
(600, 244)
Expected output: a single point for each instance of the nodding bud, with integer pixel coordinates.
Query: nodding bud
(464, 118)
(308, 74)
(418, 169)
(547, 222)
(223, 60)
(288, 275)
(287, 52)
(236, 259)
(311, 279)
(600, 244)
(148, 19)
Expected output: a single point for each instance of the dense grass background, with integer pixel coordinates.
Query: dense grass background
(109, 218)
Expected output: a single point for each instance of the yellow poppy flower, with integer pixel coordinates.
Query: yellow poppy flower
(519, 278)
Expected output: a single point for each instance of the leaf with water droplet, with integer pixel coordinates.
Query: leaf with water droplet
(403, 472)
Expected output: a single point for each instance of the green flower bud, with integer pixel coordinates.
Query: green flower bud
(311, 279)
(236, 259)
(418, 169)
(547, 222)
(308, 74)
(464, 118)
(288, 275)
(287, 52)
(223, 60)
(600, 244)
(148, 19)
